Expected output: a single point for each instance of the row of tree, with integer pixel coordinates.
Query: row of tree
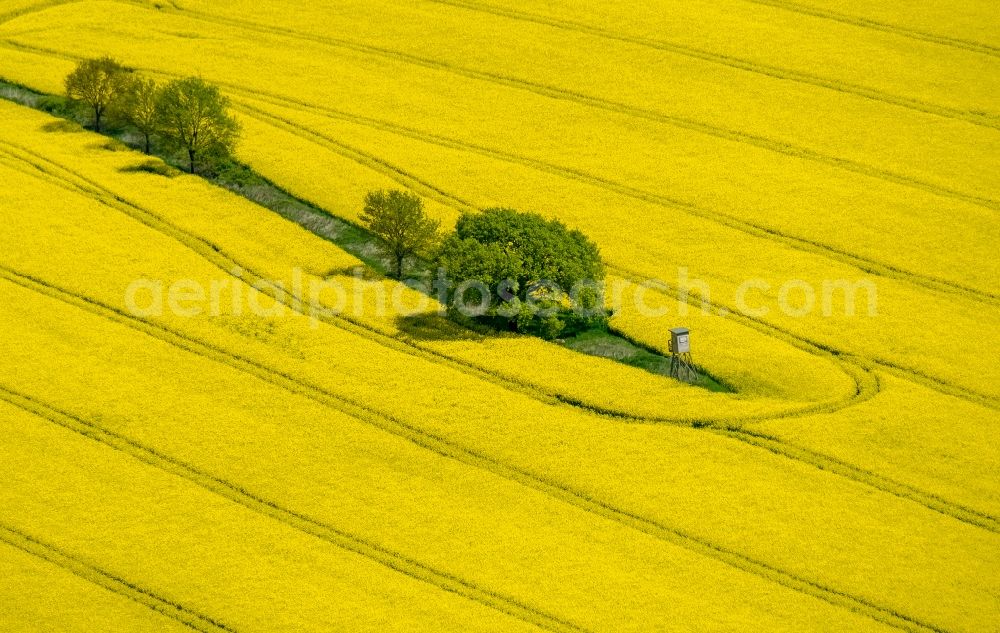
(185, 115)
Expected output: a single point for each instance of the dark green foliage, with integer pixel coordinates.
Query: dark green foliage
(195, 120)
(543, 277)
(99, 83)
(139, 106)
(398, 219)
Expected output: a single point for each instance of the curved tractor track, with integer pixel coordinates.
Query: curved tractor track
(584, 501)
(399, 343)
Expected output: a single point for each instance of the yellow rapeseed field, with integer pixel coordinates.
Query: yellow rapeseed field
(222, 468)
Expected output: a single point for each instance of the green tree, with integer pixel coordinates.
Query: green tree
(542, 274)
(98, 83)
(195, 119)
(140, 107)
(400, 222)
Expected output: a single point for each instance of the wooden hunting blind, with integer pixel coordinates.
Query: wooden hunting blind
(679, 342)
(681, 365)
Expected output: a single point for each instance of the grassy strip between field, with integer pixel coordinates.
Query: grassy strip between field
(356, 240)
(618, 347)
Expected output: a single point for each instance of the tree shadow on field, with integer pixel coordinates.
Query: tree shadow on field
(62, 126)
(434, 327)
(365, 273)
(151, 166)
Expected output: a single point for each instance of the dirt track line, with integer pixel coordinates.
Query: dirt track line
(850, 471)
(937, 384)
(296, 520)
(864, 264)
(115, 584)
(445, 447)
(563, 94)
(825, 14)
(730, 61)
(361, 157)
(38, 7)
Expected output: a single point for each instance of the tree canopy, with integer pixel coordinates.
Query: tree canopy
(140, 107)
(195, 119)
(398, 219)
(541, 275)
(98, 83)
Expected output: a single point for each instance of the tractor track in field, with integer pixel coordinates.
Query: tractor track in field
(408, 346)
(870, 478)
(291, 518)
(866, 265)
(115, 584)
(866, 387)
(38, 7)
(647, 526)
(729, 61)
(944, 40)
(562, 94)
(408, 180)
